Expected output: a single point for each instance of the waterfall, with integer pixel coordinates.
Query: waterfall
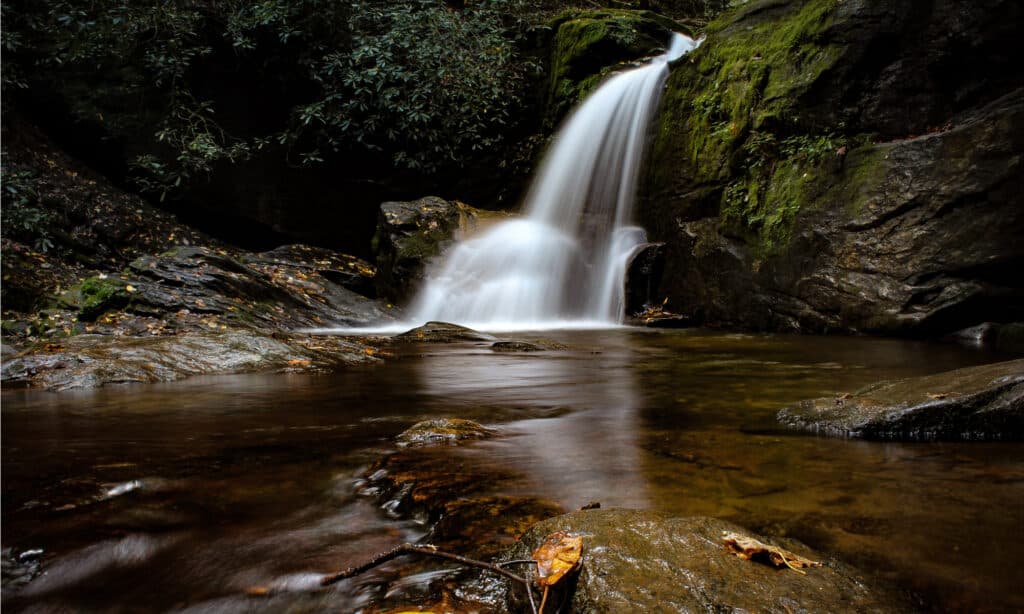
(563, 263)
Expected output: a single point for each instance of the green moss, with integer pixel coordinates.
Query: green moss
(95, 296)
(730, 118)
(588, 45)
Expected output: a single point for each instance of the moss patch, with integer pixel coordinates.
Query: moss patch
(588, 45)
(730, 119)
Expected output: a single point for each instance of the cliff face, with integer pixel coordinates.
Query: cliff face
(844, 165)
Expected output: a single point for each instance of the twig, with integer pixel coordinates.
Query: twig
(398, 551)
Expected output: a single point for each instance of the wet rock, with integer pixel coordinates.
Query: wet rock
(442, 332)
(976, 403)
(88, 361)
(641, 561)
(516, 346)
(643, 276)
(588, 45)
(347, 271)
(409, 235)
(776, 216)
(452, 495)
(443, 431)
(1001, 337)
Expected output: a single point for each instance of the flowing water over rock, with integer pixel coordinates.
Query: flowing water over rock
(564, 261)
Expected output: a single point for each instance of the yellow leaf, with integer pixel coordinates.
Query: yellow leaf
(129, 288)
(748, 548)
(557, 556)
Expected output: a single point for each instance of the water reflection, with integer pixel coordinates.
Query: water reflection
(184, 496)
(585, 447)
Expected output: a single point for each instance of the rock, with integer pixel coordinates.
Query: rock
(271, 290)
(89, 361)
(776, 215)
(976, 403)
(643, 275)
(409, 235)
(453, 495)
(588, 45)
(443, 431)
(347, 271)
(642, 561)
(442, 332)
(515, 346)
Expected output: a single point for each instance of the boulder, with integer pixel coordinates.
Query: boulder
(442, 431)
(779, 213)
(642, 561)
(975, 403)
(409, 235)
(442, 332)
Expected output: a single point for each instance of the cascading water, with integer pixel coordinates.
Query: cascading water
(562, 263)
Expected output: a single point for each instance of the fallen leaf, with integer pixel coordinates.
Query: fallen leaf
(940, 395)
(129, 288)
(557, 556)
(257, 591)
(747, 548)
(298, 362)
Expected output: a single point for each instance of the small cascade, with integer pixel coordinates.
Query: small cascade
(564, 262)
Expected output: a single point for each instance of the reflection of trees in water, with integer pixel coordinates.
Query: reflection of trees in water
(584, 447)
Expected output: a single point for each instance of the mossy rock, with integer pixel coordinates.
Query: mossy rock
(589, 45)
(95, 296)
(443, 431)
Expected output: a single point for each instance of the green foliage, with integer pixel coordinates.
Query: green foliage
(24, 217)
(429, 85)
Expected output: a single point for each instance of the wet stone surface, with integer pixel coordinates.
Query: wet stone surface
(976, 403)
(642, 561)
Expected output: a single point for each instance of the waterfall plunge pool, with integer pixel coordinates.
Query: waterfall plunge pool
(183, 496)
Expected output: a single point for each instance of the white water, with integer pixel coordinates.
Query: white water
(563, 263)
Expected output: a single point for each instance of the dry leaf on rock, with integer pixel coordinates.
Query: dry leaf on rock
(747, 548)
(557, 556)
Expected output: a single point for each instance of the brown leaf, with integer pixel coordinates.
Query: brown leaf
(747, 548)
(557, 556)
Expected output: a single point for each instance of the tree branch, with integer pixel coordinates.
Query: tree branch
(426, 551)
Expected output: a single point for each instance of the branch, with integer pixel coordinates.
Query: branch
(427, 551)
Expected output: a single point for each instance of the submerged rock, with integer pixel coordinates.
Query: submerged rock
(516, 346)
(642, 561)
(452, 494)
(441, 431)
(984, 402)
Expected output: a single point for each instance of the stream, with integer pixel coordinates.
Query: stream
(184, 496)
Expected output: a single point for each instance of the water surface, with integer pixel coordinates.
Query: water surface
(183, 496)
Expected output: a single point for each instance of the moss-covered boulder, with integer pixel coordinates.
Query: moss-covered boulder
(587, 45)
(796, 191)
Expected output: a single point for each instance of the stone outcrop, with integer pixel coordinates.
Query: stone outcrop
(642, 561)
(410, 234)
(977, 403)
(844, 166)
